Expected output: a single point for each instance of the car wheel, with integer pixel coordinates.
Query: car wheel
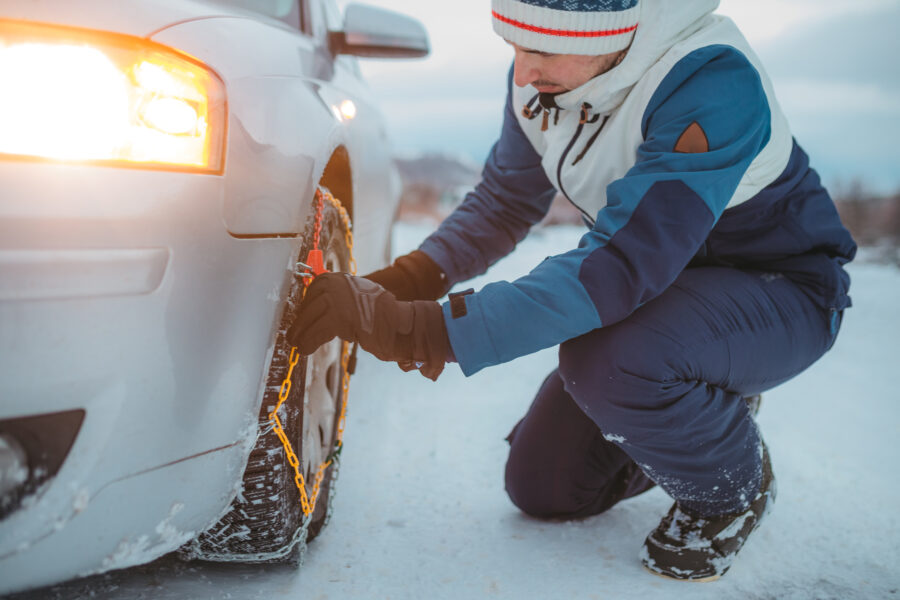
(266, 522)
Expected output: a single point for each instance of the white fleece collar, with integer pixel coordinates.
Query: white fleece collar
(663, 23)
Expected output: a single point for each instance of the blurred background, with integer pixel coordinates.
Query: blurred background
(833, 64)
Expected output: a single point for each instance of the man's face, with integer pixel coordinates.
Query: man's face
(557, 73)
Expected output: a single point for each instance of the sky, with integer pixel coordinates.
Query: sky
(833, 64)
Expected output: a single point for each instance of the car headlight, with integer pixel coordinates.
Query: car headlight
(72, 94)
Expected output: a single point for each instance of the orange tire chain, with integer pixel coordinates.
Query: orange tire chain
(307, 502)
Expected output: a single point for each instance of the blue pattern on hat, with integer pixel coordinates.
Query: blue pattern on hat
(584, 5)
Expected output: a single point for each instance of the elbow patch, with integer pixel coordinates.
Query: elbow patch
(692, 140)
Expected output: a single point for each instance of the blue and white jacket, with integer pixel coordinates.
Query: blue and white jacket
(679, 156)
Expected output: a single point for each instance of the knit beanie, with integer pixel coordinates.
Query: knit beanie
(590, 27)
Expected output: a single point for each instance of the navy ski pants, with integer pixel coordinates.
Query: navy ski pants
(658, 397)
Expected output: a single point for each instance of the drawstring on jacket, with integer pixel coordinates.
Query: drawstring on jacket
(527, 111)
(548, 102)
(530, 110)
(544, 103)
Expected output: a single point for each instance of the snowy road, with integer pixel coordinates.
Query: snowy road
(421, 511)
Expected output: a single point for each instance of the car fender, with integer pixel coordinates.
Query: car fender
(280, 128)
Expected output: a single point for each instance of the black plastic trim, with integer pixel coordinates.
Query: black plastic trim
(47, 440)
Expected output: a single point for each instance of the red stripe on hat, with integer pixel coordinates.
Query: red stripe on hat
(562, 32)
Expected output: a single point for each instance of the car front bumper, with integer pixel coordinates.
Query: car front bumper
(123, 295)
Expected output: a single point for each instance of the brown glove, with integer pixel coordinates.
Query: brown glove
(358, 310)
(413, 276)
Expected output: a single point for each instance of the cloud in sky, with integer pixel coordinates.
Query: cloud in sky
(837, 80)
(766, 21)
(832, 63)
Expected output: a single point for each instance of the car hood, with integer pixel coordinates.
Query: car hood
(140, 18)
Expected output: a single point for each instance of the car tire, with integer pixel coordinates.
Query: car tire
(265, 522)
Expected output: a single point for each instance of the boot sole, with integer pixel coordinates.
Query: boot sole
(671, 578)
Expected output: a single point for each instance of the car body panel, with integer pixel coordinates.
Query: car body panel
(175, 360)
(151, 298)
(80, 273)
(133, 17)
(100, 536)
(268, 134)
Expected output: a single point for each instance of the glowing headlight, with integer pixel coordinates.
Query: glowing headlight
(70, 94)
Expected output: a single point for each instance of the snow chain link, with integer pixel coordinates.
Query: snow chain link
(307, 501)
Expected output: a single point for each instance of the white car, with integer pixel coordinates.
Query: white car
(159, 168)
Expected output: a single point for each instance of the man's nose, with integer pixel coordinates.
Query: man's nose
(525, 69)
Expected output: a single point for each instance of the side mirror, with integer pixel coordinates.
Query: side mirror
(378, 33)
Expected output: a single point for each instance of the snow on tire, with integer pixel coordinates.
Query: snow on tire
(265, 522)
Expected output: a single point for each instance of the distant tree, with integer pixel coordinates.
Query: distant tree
(891, 219)
(873, 219)
(857, 206)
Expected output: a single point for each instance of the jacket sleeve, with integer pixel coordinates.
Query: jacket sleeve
(655, 220)
(514, 194)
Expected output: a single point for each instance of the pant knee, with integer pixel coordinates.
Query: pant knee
(535, 491)
(616, 375)
(590, 371)
(555, 494)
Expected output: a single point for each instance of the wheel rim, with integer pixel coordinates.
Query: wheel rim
(322, 396)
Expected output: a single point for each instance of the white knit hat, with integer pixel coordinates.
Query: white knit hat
(590, 27)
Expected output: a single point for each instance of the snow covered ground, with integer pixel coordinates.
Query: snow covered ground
(421, 511)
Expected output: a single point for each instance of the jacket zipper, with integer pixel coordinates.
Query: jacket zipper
(590, 141)
(562, 160)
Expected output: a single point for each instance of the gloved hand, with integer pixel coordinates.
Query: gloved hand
(413, 276)
(358, 310)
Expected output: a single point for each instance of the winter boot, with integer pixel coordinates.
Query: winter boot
(691, 547)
